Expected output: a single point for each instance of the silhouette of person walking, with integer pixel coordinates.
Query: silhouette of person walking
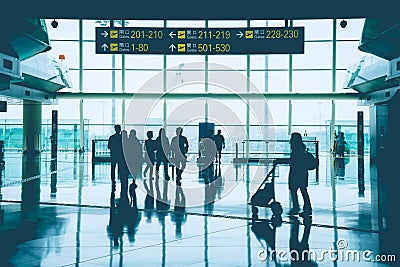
(298, 175)
(220, 144)
(179, 148)
(116, 154)
(136, 152)
(163, 150)
(150, 147)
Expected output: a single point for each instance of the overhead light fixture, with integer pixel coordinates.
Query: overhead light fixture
(54, 24)
(343, 24)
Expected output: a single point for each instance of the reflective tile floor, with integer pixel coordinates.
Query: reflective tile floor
(72, 217)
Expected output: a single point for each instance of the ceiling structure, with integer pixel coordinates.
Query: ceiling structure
(199, 10)
(381, 37)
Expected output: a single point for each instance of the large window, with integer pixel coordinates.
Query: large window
(311, 72)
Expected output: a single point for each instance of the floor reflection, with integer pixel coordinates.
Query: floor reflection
(70, 229)
(123, 215)
(179, 216)
(41, 231)
(300, 253)
(340, 166)
(30, 187)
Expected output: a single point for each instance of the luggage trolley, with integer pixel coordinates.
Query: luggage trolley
(265, 196)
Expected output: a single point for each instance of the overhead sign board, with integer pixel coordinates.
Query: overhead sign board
(200, 41)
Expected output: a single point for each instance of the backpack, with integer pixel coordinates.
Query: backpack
(310, 161)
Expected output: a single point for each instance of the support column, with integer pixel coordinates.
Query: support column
(333, 125)
(360, 152)
(30, 188)
(385, 197)
(81, 128)
(54, 146)
(32, 126)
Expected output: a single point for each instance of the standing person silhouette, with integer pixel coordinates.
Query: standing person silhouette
(179, 148)
(163, 149)
(116, 154)
(341, 143)
(150, 147)
(136, 151)
(298, 175)
(220, 144)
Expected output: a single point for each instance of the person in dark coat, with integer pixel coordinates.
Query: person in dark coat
(220, 144)
(298, 175)
(341, 143)
(179, 148)
(150, 147)
(116, 154)
(163, 150)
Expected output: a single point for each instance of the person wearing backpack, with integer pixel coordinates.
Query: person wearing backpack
(298, 174)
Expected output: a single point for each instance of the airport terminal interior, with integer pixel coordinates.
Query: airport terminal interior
(66, 83)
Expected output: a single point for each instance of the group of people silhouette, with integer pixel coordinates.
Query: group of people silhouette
(127, 159)
(126, 152)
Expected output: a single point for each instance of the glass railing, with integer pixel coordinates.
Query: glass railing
(69, 139)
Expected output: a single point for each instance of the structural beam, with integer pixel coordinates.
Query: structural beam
(224, 96)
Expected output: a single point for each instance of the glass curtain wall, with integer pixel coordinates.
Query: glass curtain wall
(329, 50)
